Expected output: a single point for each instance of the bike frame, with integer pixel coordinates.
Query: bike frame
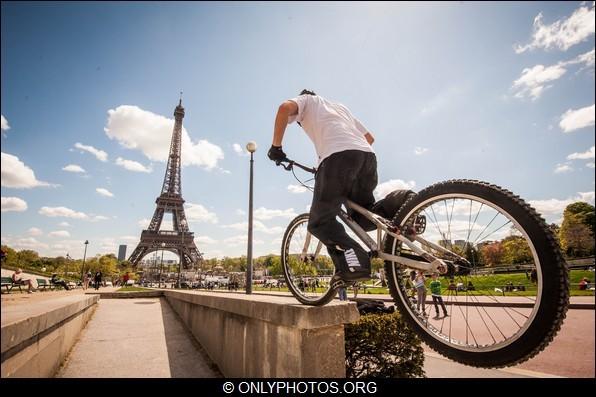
(433, 264)
(383, 225)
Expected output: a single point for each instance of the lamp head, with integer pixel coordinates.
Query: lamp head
(251, 146)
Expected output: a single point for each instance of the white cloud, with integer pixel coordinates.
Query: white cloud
(239, 150)
(135, 128)
(586, 58)
(198, 213)
(24, 243)
(99, 154)
(34, 231)
(132, 165)
(14, 173)
(95, 218)
(552, 209)
(240, 212)
(73, 168)
(63, 212)
(561, 34)
(258, 226)
(563, 168)
(144, 223)
(532, 82)
(205, 240)
(573, 120)
(64, 224)
(588, 154)
(241, 240)
(418, 151)
(385, 188)
(13, 204)
(59, 233)
(297, 189)
(264, 214)
(590, 164)
(4, 123)
(104, 192)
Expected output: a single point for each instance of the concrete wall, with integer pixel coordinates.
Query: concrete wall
(266, 336)
(36, 340)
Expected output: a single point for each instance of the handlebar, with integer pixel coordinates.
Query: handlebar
(291, 163)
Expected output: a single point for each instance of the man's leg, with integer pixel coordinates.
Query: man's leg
(334, 181)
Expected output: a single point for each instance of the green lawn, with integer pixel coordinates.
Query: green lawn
(132, 289)
(485, 284)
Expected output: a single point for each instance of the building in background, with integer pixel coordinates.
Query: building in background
(122, 252)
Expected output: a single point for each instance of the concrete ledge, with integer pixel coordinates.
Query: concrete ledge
(263, 336)
(36, 338)
(127, 295)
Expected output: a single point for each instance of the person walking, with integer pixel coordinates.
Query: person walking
(435, 290)
(97, 279)
(419, 284)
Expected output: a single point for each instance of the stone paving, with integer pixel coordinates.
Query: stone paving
(126, 331)
(136, 338)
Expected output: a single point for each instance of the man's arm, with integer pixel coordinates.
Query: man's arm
(369, 138)
(286, 109)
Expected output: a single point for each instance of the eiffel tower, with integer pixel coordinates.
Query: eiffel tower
(179, 240)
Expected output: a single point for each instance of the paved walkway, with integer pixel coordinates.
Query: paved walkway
(141, 338)
(125, 332)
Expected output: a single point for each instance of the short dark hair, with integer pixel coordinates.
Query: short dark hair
(307, 92)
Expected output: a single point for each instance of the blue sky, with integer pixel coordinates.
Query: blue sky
(497, 92)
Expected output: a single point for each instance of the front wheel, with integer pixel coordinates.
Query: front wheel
(306, 265)
(506, 290)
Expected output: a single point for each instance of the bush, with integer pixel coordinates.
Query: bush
(382, 346)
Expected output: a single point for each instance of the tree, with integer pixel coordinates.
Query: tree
(577, 230)
(11, 256)
(26, 258)
(492, 254)
(516, 250)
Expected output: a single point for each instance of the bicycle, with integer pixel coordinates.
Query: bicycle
(450, 228)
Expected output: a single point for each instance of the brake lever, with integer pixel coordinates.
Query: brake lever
(287, 167)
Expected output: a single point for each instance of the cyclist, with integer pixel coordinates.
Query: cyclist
(347, 169)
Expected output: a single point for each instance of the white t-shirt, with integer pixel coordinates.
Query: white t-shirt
(330, 126)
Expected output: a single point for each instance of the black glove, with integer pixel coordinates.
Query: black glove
(276, 154)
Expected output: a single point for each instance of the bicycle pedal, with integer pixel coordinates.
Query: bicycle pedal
(340, 284)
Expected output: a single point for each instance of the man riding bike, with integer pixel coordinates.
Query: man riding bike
(347, 169)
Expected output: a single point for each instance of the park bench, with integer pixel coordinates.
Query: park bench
(10, 284)
(44, 284)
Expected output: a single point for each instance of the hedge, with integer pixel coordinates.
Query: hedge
(382, 346)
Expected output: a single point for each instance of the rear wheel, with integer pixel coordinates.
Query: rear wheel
(306, 264)
(497, 314)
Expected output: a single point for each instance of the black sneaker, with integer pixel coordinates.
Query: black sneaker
(358, 275)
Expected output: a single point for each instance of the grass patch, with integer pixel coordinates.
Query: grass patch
(132, 289)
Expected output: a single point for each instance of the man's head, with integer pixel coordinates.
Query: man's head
(307, 92)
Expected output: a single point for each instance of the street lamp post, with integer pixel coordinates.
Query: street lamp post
(83, 266)
(161, 267)
(66, 265)
(251, 147)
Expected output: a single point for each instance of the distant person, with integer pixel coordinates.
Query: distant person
(435, 290)
(420, 292)
(534, 276)
(58, 281)
(19, 278)
(584, 284)
(125, 279)
(97, 279)
(86, 280)
(342, 292)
